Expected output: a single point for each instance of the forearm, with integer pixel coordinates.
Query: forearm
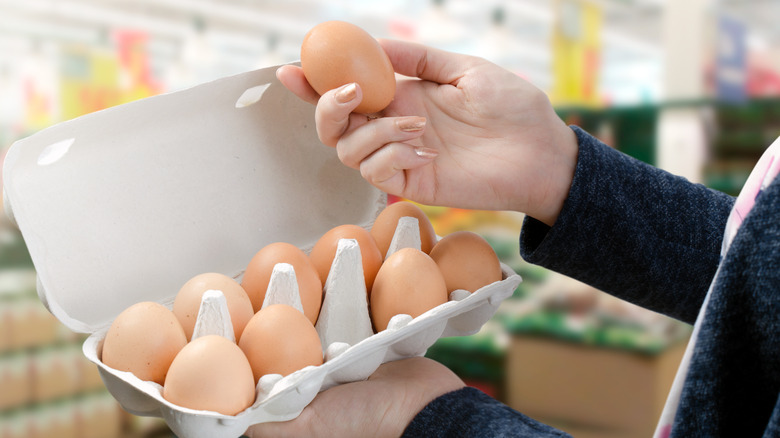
(634, 231)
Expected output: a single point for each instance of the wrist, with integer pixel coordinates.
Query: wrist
(563, 163)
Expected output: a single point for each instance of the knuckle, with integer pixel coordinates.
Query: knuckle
(323, 139)
(345, 157)
(366, 173)
(393, 154)
(370, 131)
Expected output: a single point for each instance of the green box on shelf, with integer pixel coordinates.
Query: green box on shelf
(477, 358)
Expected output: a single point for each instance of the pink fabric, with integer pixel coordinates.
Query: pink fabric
(762, 175)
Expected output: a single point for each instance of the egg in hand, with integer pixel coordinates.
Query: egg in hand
(336, 53)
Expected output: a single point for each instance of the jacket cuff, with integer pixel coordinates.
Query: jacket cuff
(468, 412)
(536, 237)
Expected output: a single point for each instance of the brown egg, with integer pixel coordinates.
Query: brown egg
(409, 282)
(211, 374)
(324, 252)
(384, 227)
(280, 340)
(144, 339)
(187, 303)
(467, 261)
(258, 275)
(335, 53)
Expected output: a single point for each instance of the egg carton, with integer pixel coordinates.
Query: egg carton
(126, 204)
(352, 350)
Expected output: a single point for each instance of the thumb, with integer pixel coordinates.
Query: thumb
(419, 61)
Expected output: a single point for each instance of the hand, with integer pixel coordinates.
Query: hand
(461, 132)
(381, 406)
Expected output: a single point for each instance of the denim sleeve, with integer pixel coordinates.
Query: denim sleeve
(468, 412)
(634, 231)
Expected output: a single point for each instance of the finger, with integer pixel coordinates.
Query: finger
(296, 427)
(357, 144)
(386, 168)
(410, 368)
(419, 61)
(292, 78)
(333, 115)
(274, 429)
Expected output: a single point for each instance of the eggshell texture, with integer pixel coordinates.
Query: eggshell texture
(187, 303)
(385, 224)
(258, 275)
(335, 53)
(467, 261)
(143, 340)
(211, 374)
(409, 282)
(324, 251)
(280, 340)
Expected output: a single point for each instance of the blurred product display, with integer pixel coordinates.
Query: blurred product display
(48, 387)
(587, 391)
(557, 350)
(738, 133)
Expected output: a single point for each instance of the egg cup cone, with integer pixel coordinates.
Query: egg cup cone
(406, 235)
(213, 317)
(283, 287)
(344, 314)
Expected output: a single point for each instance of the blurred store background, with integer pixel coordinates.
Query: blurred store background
(693, 87)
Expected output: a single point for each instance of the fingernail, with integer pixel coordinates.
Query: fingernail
(346, 93)
(411, 124)
(424, 152)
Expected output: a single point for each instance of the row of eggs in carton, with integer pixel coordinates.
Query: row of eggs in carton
(227, 348)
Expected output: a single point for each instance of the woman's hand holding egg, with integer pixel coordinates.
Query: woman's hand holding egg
(460, 132)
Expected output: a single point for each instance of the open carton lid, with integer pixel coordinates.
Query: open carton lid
(126, 204)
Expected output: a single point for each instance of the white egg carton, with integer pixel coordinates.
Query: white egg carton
(126, 204)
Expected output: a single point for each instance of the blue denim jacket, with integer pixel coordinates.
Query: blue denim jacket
(654, 239)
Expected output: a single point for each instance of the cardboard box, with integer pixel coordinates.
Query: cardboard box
(5, 326)
(31, 324)
(55, 373)
(20, 311)
(127, 204)
(16, 424)
(98, 416)
(590, 391)
(54, 420)
(15, 388)
(89, 375)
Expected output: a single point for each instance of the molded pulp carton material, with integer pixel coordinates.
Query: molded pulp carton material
(127, 204)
